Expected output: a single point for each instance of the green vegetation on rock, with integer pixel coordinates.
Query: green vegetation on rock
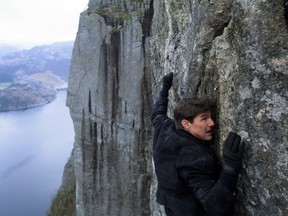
(64, 202)
(113, 11)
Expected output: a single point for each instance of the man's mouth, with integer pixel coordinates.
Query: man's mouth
(209, 131)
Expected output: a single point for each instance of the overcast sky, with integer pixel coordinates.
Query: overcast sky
(35, 22)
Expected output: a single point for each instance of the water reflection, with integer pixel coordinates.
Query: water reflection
(11, 169)
(35, 144)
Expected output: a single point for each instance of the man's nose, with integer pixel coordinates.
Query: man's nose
(211, 123)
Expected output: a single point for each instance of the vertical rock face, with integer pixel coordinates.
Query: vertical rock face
(251, 60)
(235, 51)
(110, 98)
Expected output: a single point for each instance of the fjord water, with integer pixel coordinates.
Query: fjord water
(35, 145)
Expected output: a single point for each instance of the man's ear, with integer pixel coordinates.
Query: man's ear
(185, 123)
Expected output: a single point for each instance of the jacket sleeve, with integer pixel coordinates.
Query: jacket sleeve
(160, 109)
(197, 172)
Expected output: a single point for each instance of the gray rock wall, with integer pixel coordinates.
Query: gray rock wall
(110, 101)
(235, 51)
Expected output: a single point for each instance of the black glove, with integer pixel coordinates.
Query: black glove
(233, 151)
(167, 81)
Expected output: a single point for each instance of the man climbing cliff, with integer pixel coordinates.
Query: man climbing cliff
(190, 181)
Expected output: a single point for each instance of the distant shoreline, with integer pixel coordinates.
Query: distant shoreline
(33, 106)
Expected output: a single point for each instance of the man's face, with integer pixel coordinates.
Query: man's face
(202, 126)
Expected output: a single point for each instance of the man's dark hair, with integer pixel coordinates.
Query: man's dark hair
(189, 108)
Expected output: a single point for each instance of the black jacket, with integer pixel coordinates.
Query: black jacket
(186, 170)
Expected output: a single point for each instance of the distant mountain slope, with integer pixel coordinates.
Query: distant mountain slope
(24, 93)
(7, 49)
(51, 80)
(55, 58)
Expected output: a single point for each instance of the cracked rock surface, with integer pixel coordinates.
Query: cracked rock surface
(235, 51)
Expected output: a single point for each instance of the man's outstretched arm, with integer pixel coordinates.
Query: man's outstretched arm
(160, 108)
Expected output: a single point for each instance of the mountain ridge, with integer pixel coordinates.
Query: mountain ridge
(6, 49)
(32, 77)
(55, 57)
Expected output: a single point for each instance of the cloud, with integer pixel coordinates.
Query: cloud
(39, 21)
